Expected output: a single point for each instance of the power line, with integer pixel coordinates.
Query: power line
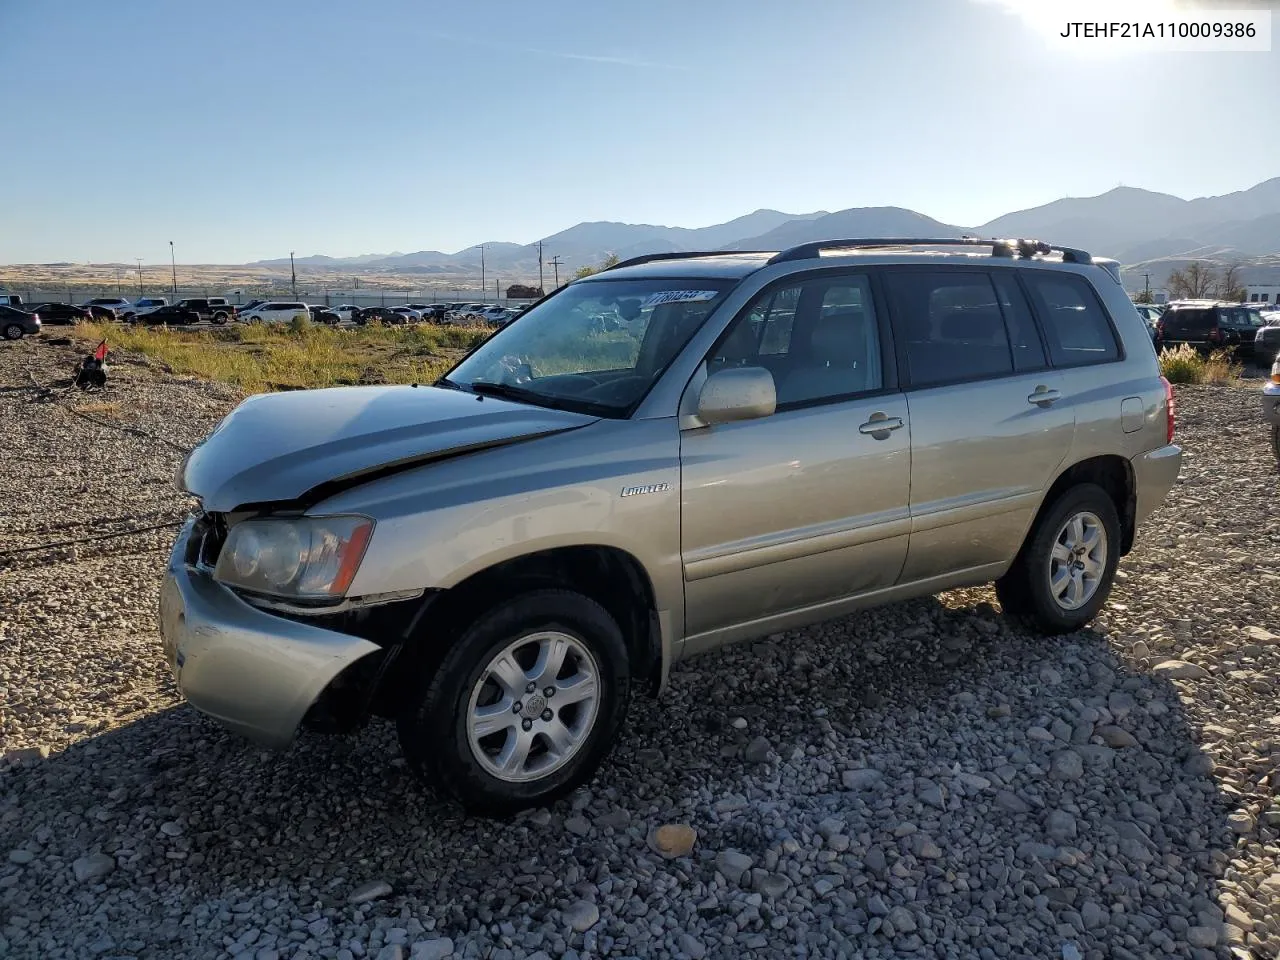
(555, 262)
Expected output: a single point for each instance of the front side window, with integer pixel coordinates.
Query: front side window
(597, 346)
(952, 327)
(818, 337)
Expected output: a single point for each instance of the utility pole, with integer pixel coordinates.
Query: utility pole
(174, 264)
(139, 259)
(497, 289)
(293, 276)
(119, 276)
(555, 262)
(539, 266)
(484, 294)
(1147, 278)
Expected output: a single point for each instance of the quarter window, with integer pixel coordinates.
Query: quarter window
(1075, 325)
(952, 328)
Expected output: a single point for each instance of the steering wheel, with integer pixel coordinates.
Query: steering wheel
(611, 388)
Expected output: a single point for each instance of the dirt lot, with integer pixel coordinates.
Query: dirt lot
(923, 780)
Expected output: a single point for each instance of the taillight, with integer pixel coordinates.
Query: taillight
(1169, 408)
(1215, 335)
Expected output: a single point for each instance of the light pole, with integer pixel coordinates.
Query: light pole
(139, 259)
(483, 293)
(119, 275)
(539, 266)
(173, 263)
(293, 276)
(555, 262)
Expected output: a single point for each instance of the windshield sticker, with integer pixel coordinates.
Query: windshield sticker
(678, 296)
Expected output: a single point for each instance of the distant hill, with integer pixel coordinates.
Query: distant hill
(1141, 228)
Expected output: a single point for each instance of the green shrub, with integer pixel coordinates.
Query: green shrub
(1182, 364)
(301, 323)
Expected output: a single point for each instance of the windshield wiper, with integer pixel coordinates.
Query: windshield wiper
(508, 391)
(449, 384)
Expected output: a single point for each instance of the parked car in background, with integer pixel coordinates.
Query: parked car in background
(10, 300)
(381, 314)
(499, 561)
(275, 311)
(215, 310)
(411, 315)
(426, 311)
(1206, 325)
(1242, 324)
(241, 307)
(1150, 313)
(491, 316)
(16, 324)
(117, 305)
(346, 312)
(174, 314)
(60, 313)
(321, 314)
(1271, 406)
(142, 306)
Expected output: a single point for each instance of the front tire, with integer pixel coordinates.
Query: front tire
(1064, 571)
(524, 706)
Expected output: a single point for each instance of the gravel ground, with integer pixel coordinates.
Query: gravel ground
(922, 780)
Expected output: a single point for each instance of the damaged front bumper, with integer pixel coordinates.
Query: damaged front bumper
(255, 672)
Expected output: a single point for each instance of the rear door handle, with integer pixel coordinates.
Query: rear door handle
(1043, 397)
(880, 426)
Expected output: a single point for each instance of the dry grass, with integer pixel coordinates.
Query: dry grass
(1184, 365)
(258, 358)
(102, 409)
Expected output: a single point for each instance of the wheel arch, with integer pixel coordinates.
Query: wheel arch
(1114, 474)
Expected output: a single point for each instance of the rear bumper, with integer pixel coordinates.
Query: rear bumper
(1271, 404)
(254, 672)
(1154, 474)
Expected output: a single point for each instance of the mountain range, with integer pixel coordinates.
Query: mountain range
(1148, 232)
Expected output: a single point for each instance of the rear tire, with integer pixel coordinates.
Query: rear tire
(13, 331)
(1064, 571)
(547, 747)
(220, 318)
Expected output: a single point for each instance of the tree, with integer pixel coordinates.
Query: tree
(1143, 296)
(520, 291)
(1193, 283)
(1229, 286)
(610, 260)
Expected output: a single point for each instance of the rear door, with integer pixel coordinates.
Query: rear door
(990, 421)
(783, 514)
(1191, 325)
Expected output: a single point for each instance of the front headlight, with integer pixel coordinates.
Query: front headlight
(303, 558)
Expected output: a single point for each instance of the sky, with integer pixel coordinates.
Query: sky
(244, 129)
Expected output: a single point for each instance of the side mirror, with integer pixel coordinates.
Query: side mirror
(740, 393)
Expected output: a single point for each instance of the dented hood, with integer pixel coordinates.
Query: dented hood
(301, 445)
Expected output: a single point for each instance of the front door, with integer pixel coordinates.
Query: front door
(991, 422)
(788, 512)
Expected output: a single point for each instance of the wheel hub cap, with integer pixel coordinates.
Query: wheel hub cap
(1078, 561)
(534, 706)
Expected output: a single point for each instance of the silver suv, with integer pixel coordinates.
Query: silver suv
(682, 451)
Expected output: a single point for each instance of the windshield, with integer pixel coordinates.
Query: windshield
(596, 346)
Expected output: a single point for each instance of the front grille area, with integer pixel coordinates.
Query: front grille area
(207, 537)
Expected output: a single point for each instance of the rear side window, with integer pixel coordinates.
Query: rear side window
(951, 326)
(1075, 324)
(1024, 339)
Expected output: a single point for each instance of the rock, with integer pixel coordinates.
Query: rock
(732, 865)
(739, 723)
(93, 867)
(1199, 765)
(758, 750)
(1121, 704)
(691, 946)
(861, 779)
(972, 781)
(875, 860)
(1060, 825)
(171, 829)
(1117, 737)
(1203, 937)
(373, 890)
(582, 915)
(1066, 765)
(1242, 822)
(673, 840)
(21, 857)
(902, 919)
(1179, 670)
(618, 819)
(1070, 951)
(931, 793)
(772, 885)
(1011, 802)
(924, 848)
(578, 826)
(22, 755)
(1040, 734)
(876, 906)
(436, 949)
(1093, 915)
(1261, 635)
(392, 951)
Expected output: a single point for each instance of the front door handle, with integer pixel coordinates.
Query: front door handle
(1043, 396)
(880, 426)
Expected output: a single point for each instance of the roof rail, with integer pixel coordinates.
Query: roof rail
(1025, 249)
(681, 255)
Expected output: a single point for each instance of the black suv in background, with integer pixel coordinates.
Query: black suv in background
(1208, 325)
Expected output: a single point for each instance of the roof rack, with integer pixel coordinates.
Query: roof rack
(1025, 249)
(681, 255)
